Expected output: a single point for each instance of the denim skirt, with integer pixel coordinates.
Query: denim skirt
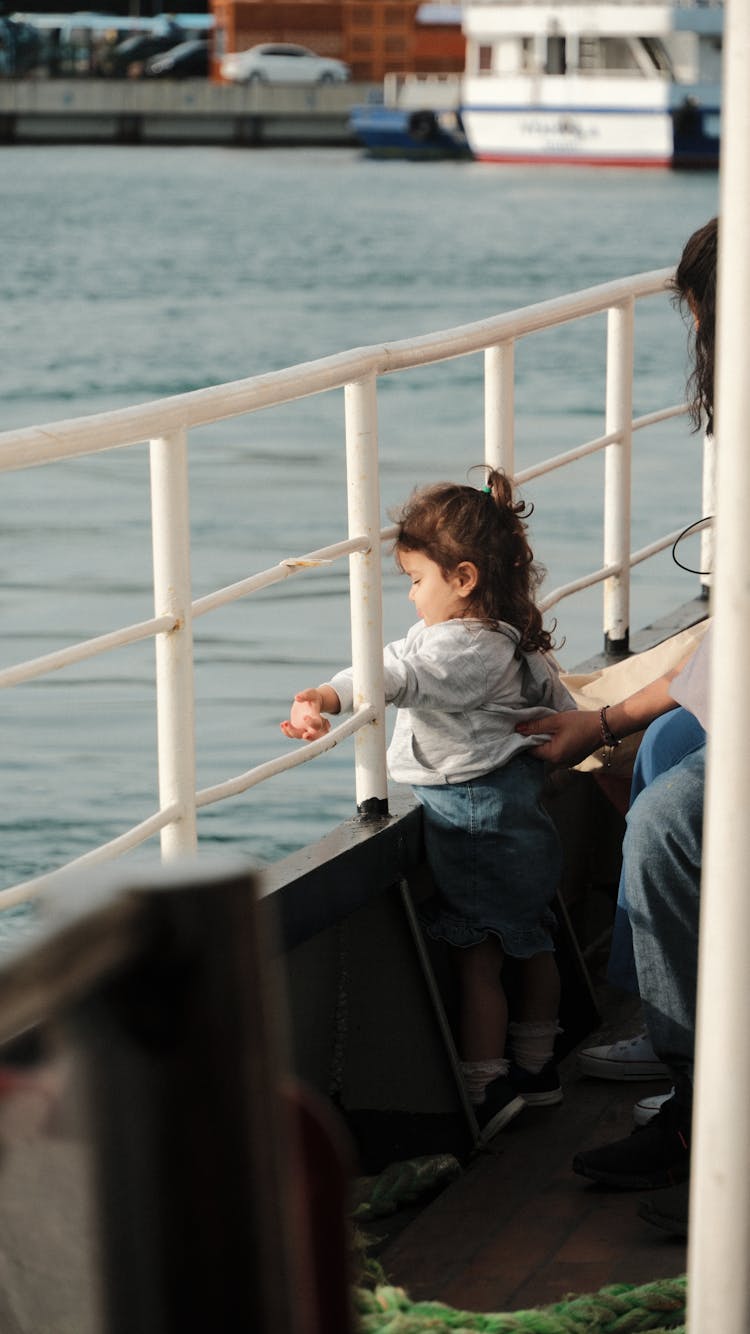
(495, 859)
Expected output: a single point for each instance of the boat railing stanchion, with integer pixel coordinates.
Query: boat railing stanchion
(175, 695)
(708, 506)
(366, 592)
(617, 476)
(719, 1227)
(499, 407)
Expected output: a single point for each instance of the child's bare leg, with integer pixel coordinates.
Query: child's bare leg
(484, 1008)
(540, 988)
(484, 1027)
(533, 1032)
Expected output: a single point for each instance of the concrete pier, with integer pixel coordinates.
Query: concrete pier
(186, 111)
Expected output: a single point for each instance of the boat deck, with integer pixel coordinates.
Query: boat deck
(518, 1229)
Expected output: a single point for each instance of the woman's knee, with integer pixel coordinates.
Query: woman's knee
(666, 741)
(664, 829)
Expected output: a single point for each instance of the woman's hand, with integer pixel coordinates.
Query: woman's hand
(306, 721)
(572, 735)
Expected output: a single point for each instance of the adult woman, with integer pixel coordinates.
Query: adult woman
(663, 840)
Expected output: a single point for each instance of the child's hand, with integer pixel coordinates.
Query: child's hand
(306, 722)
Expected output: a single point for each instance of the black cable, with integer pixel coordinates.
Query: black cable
(685, 532)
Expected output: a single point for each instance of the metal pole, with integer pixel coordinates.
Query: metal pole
(366, 592)
(708, 506)
(175, 706)
(718, 1275)
(617, 487)
(499, 416)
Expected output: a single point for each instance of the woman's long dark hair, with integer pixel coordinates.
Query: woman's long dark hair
(452, 523)
(694, 286)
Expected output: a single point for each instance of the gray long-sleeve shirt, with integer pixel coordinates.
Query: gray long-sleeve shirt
(460, 689)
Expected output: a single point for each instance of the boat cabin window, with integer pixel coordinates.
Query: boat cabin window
(555, 62)
(606, 53)
(511, 55)
(657, 54)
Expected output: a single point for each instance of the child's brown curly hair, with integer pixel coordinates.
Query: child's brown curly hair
(452, 523)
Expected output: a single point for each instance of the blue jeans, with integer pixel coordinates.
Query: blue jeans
(665, 743)
(662, 867)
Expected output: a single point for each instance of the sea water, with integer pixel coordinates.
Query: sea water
(132, 273)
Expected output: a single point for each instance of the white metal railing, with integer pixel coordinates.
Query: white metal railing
(166, 423)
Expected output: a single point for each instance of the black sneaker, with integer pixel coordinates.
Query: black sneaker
(501, 1104)
(668, 1209)
(538, 1090)
(654, 1155)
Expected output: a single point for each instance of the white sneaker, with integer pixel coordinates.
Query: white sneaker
(632, 1058)
(646, 1108)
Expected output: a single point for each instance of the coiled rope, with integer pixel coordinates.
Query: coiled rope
(621, 1309)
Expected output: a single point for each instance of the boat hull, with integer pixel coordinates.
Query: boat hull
(605, 137)
(409, 133)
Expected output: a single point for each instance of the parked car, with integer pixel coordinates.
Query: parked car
(20, 47)
(186, 60)
(135, 50)
(282, 62)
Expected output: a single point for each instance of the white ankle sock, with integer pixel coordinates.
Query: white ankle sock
(478, 1074)
(533, 1044)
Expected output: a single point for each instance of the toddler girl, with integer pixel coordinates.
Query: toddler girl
(476, 663)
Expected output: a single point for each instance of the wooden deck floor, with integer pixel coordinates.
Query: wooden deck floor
(518, 1229)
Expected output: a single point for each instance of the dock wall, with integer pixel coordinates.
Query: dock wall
(188, 111)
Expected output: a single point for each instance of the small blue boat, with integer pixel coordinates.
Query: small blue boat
(407, 132)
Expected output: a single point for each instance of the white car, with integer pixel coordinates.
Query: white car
(281, 62)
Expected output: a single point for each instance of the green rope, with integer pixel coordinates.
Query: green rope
(402, 1183)
(621, 1309)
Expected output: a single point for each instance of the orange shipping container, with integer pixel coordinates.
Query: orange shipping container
(374, 37)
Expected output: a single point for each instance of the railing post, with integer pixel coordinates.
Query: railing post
(719, 1231)
(499, 415)
(175, 704)
(617, 469)
(708, 506)
(366, 592)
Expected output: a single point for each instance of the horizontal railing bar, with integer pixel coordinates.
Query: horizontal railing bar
(88, 648)
(276, 573)
(585, 581)
(29, 446)
(35, 667)
(234, 786)
(663, 542)
(661, 415)
(560, 460)
(30, 889)
(591, 447)
(50, 662)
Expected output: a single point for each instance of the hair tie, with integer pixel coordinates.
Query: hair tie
(487, 490)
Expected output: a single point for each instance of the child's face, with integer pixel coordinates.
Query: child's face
(437, 597)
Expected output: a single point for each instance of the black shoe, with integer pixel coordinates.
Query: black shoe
(654, 1155)
(501, 1104)
(668, 1209)
(538, 1090)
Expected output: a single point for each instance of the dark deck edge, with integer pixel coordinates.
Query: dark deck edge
(314, 888)
(681, 618)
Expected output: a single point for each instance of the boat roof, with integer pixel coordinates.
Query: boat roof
(594, 17)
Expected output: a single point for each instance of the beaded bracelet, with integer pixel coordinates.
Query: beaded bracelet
(608, 736)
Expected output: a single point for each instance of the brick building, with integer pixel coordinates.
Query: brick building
(374, 37)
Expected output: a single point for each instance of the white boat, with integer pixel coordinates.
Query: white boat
(626, 83)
